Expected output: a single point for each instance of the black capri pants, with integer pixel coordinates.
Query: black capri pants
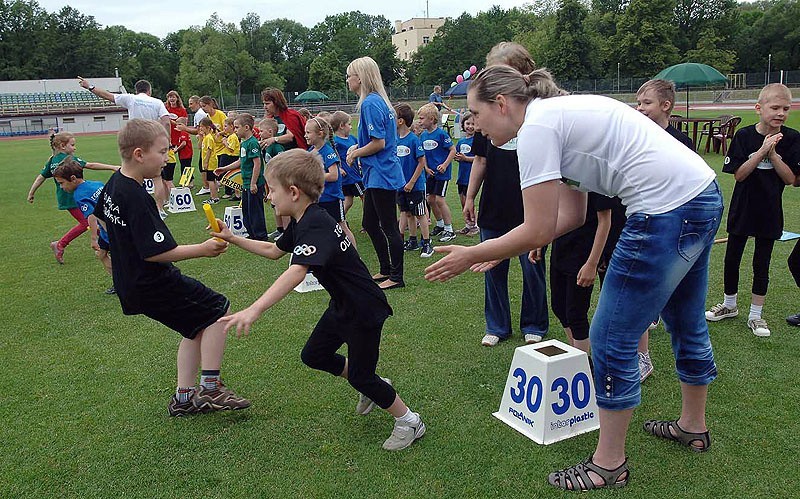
(761, 258)
(380, 222)
(570, 302)
(363, 343)
(794, 263)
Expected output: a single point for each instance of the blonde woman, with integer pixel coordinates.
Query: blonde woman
(660, 263)
(383, 175)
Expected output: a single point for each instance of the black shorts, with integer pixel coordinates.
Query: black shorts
(462, 189)
(354, 190)
(185, 305)
(437, 187)
(334, 208)
(185, 163)
(210, 176)
(168, 171)
(412, 202)
(570, 302)
(103, 245)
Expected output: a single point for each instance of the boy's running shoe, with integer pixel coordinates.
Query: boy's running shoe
(110, 291)
(436, 231)
(179, 409)
(474, 231)
(645, 366)
(365, 404)
(759, 327)
(411, 245)
(793, 320)
(427, 250)
(447, 236)
(211, 201)
(274, 235)
(404, 434)
(203, 191)
(464, 231)
(221, 398)
(720, 311)
(58, 251)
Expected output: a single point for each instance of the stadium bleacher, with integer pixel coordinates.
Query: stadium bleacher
(25, 104)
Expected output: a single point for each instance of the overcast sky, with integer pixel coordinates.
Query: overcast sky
(160, 17)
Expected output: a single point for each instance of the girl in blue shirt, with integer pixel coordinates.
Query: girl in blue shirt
(465, 157)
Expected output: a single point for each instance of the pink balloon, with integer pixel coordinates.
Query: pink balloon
(473, 70)
(459, 78)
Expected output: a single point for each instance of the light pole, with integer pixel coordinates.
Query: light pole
(617, 77)
(221, 98)
(769, 68)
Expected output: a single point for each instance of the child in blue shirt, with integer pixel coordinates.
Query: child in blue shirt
(318, 136)
(69, 175)
(439, 154)
(411, 198)
(352, 182)
(465, 157)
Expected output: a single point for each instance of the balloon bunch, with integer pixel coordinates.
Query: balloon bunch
(464, 76)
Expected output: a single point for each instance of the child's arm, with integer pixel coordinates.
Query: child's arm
(210, 248)
(93, 231)
(180, 145)
(375, 146)
(332, 175)
(282, 286)
(441, 168)
(781, 168)
(767, 150)
(256, 174)
(101, 166)
(588, 273)
(223, 169)
(476, 175)
(461, 157)
(37, 182)
(261, 248)
(421, 165)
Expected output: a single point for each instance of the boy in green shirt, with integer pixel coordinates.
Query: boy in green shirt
(253, 183)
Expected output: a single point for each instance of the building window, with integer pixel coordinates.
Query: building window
(67, 120)
(99, 118)
(124, 117)
(425, 40)
(405, 42)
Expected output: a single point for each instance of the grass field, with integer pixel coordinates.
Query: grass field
(83, 412)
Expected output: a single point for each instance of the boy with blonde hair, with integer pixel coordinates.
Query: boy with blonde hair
(439, 154)
(763, 158)
(148, 283)
(358, 307)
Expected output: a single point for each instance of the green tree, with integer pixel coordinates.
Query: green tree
(570, 49)
(643, 43)
(709, 51)
(694, 17)
(769, 28)
(327, 72)
(26, 52)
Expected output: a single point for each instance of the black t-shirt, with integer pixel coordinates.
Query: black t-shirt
(756, 207)
(136, 232)
(685, 140)
(318, 242)
(618, 220)
(570, 251)
(500, 205)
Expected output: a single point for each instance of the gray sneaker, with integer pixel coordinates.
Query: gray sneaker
(645, 366)
(720, 311)
(447, 236)
(365, 404)
(404, 435)
(759, 327)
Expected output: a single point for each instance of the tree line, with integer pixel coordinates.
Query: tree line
(574, 38)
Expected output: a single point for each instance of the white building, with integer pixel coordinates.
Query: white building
(412, 34)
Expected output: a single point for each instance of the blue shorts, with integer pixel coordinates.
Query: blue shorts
(660, 265)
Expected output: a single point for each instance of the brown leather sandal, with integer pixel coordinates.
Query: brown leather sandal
(577, 477)
(670, 430)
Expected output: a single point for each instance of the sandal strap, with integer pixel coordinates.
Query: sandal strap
(578, 476)
(670, 430)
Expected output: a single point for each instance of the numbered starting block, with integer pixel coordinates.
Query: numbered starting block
(149, 186)
(310, 283)
(180, 200)
(549, 394)
(235, 221)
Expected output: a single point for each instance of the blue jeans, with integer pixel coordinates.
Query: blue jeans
(253, 213)
(533, 317)
(660, 264)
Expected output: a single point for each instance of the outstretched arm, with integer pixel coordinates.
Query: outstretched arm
(282, 286)
(103, 94)
(209, 248)
(261, 248)
(101, 166)
(36, 184)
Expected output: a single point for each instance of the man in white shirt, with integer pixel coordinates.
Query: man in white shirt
(143, 106)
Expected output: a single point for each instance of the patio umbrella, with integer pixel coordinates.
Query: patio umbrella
(459, 88)
(691, 74)
(311, 95)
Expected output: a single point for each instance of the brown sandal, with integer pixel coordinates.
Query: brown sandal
(577, 477)
(670, 430)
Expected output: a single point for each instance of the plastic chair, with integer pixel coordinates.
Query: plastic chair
(710, 129)
(724, 133)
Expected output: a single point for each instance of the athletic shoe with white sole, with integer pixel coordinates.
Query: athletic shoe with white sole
(203, 191)
(720, 311)
(366, 404)
(447, 236)
(436, 231)
(490, 340)
(404, 434)
(427, 250)
(221, 398)
(759, 327)
(533, 338)
(645, 366)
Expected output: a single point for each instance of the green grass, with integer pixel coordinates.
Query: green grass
(83, 410)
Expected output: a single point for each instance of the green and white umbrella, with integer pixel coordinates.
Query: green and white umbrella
(692, 74)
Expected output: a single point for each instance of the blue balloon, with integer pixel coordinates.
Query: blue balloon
(466, 74)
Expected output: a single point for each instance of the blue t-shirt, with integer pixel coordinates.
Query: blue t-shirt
(332, 190)
(382, 169)
(409, 150)
(353, 172)
(86, 196)
(464, 146)
(436, 99)
(437, 146)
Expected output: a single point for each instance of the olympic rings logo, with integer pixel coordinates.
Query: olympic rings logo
(304, 250)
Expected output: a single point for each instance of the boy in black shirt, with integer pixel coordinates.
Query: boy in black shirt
(763, 158)
(146, 281)
(358, 307)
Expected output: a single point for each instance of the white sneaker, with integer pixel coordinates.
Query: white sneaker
(365, 404)
(490, 340)
(645, 366)
(653, 325)
(533, 338)
(162, 214)
(759, 327)
(203, 191)
(404, 434)
(720, 311)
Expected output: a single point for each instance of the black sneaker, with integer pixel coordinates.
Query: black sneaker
(221, 398)
(179, 409)
(411, 245)
(427, 250)
(436, 231)
(110, 291)
(794, 320)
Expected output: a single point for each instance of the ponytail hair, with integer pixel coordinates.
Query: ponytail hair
(511, 54)
(507, 81)
(206, 122)
(325, 127)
